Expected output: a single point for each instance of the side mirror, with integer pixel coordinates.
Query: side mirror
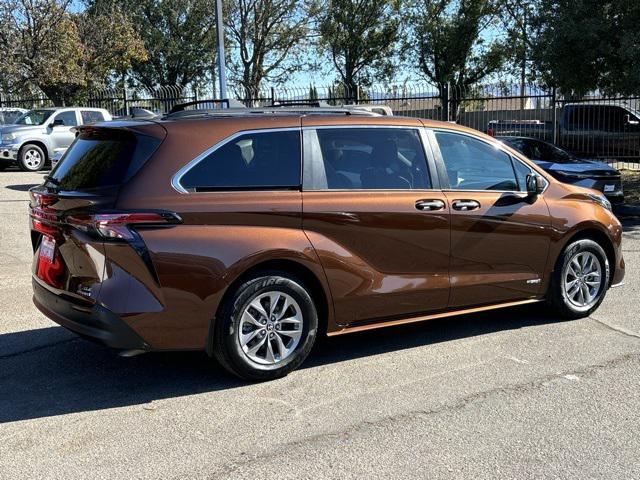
(535, 184)
(57, 123)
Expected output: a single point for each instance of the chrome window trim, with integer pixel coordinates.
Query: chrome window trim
(499, 147)
(175, 180)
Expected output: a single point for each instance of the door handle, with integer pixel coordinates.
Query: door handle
(429, 205)
(465, 205)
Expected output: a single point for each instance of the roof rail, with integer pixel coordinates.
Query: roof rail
(274, 110)
(300, 103)
(210, 104)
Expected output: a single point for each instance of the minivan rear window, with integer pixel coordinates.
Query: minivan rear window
(102, 158)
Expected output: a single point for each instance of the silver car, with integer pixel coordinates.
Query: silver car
(35, 137)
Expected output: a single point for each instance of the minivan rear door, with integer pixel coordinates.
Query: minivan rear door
(374, 214)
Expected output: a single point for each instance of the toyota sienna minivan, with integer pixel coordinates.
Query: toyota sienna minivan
(249, 233)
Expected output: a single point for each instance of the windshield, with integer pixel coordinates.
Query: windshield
(34, 117)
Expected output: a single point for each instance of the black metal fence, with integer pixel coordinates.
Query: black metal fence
(594, 126)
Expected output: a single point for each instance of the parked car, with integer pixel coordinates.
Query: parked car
(8, 115)
(602, 130)
(248, 233)
(38, 134)
(568, 168)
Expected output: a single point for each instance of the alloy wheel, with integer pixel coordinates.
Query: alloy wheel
(583, 279)
(270, 328)
(32, 159)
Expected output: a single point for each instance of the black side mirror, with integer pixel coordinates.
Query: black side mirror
(535, 184)
(57, 123)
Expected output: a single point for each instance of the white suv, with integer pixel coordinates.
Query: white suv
(38, 135)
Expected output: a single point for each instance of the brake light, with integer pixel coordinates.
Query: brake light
(490, 132)
(43, 218)
(118, 225)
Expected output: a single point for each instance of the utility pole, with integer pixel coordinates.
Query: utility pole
(222, 72)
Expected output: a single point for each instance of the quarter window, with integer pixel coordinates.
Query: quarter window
(90, 116)
(475, 165)
(365, 159)
(259, 161)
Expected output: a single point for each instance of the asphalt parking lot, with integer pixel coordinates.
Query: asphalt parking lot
(507, 394)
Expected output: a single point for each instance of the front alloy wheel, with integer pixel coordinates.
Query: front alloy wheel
(580, 279)
(31, 158)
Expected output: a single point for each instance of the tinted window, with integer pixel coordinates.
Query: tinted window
(34, 117)
(99, 159)
(67, 118)
(263, 160)
(370, 159)
(522, 170)
(89, 116)
(475, 165)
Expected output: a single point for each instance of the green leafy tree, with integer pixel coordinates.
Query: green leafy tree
(518, 17)
(571, 44)
(178, 35)
(360, 37)
(59, 52)
(584, 45)
(449, 40)
(266, 39)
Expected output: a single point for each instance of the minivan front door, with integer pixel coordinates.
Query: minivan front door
(500, 236)
(380, 229)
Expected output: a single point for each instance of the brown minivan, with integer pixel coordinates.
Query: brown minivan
(248, 233)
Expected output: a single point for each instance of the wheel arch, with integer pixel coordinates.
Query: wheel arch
(39, 143)
(601, 238)
(306, 275)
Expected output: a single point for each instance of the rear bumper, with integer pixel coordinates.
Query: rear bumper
(92, 322)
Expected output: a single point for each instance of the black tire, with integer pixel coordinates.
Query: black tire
(557, 296)
(226, 337)
(25, 161)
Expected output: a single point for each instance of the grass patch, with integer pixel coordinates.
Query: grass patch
(631, 186)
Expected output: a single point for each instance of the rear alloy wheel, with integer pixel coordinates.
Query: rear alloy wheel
(266, 329)
(31, 158)
(580, 280)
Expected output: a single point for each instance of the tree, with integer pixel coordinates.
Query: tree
(518, 23)
(179, 36)
(449, 40)
(360, 37)
(59, 52)
(584, 45)
(266, 38)
(572, 44)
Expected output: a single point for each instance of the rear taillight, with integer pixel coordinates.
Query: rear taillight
(490, 132)
(118, 225)
(43, 218)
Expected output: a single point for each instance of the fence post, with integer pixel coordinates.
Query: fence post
(357, 99)
(124, 101)
(0, 99)
(555, 116)
(273, 96)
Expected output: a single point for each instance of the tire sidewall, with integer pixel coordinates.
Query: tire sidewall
(241, 364)
(23, 153)
(571, 250)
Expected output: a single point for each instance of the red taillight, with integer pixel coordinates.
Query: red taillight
(43, 218)
(490, 132)
(116, 225)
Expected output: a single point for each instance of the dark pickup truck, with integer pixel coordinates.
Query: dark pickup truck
(586, 129)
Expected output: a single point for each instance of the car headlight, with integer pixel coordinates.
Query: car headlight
(574, 175)
(601, 200)
(9, 137)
